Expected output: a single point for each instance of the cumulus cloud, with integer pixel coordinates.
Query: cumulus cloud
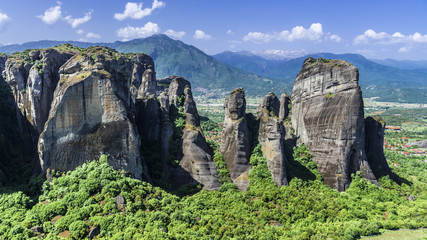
(135, 11)
(199, 34)
(370, 36)
(88, 35)
(138, 32)
(335, 38)
(313, 33)
(4, 19)
(75, 22)
(229, 32)
(93, 35)
(258, 37)
(175, 34)
(52, 14)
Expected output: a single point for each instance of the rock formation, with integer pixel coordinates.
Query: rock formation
(92, 114)
(284, 107)
(195, 156)
(374, 140)
(271, 137)
(33, 76)
(235, 145)
(327, 114)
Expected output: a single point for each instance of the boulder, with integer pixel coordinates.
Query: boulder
(271, 136)
(235, 144)
(327, 114)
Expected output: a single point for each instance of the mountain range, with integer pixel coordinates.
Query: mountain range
(387, 83)
(261, 72)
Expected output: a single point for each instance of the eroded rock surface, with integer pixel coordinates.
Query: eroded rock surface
(284, 106)
(235, 144)
(327, 114)
(271, 137)
(92, 114)
(195, 157)
(33, 76)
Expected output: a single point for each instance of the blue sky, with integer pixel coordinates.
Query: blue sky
(375, 29)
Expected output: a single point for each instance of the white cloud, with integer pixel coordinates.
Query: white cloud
(372, 37)
(229, 32)
(175, 34)
(52, 14)
(258, 37)
(4, 19)
(404, 49)
(314, 33)
(138, 32)
(92, 35)
(134, 10)
(335, 38)
(80, 32)
(75, 22)
(199, 34)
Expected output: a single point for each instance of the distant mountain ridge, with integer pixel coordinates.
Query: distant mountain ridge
(385, 82)
(397, 82)
(173, 57)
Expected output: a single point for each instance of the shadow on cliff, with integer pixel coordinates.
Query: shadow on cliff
(294, 168)
(18, 157)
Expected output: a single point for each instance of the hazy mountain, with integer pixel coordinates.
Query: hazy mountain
(247, 61)
(387, 83)
(404, 64)
(279, 54)
(174, 57)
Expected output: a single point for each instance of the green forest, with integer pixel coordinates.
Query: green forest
(95, 199)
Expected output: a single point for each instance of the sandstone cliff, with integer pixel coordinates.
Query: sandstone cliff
(235, 145)
(92, 113)
(33, 76)
(327, 114)
(195, 156)
(271, 137)
(284, 107)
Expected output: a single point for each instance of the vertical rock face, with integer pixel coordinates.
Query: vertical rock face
(235, 145)
(196, 164)
(33, 77)
(327, 114)
(374, 140)
(271, 137)
(284, 106)
(92, 114)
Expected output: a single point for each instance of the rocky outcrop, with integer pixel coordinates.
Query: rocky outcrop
(284, 106)
(235, 144)
(327, 114)
(195, 156)
(374, 140)
(92, 113)
(33, 76)
(271, 137)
